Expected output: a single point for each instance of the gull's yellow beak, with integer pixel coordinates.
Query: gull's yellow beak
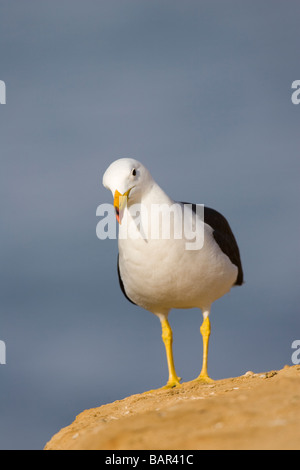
(120, 202)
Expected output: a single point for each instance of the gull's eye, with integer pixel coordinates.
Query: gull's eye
(133, 172)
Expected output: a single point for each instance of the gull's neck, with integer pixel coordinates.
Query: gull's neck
(137, 221)
(155, 195)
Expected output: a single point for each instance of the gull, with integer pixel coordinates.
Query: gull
(159, 272)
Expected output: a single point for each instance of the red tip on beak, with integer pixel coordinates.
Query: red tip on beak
(120, 202)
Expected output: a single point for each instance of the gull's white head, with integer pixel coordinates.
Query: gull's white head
(128, 180)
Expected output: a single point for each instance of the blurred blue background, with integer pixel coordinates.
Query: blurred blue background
(200, 92)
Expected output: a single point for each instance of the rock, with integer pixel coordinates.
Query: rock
(241, 413)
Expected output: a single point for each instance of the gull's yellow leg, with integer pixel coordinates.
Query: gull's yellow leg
(167, 337)
(205, 332)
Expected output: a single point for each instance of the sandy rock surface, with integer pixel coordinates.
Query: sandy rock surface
(254, 411)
